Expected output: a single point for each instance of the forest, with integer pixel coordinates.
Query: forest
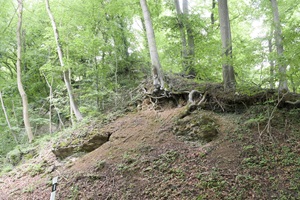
(65, 63)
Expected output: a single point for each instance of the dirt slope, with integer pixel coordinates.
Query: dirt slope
(145, 160)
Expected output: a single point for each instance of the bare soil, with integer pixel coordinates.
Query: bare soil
(143, 159)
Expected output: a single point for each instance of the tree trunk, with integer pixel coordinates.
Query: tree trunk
(156, 67)
(283, 85)
(182, 34)
(50, 100)
(190, 39)
(19, 79)
(73, 104)
(97, 80)
(6, 118)
(124, 39)
(228, 71)
(271, 65)
(212, 16)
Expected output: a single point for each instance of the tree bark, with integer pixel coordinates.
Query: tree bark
(283, 85)
(6, 118)
(212, 16)
(187, 36)
(184, 53)
(182, 33)
(19, 79)
(271, 65)
(189, 31)
(158, 81)
(50, 100)
(73, 104)
(228, 71)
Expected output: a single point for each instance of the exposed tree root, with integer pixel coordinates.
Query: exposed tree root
(211, 96)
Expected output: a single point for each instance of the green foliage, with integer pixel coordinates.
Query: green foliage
(129, 163)
(100, 164)
(104, 47)
(7, 141)
(14, 157)
(29, 189)
(36, 169)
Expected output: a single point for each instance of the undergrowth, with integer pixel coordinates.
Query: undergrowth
(270, 162)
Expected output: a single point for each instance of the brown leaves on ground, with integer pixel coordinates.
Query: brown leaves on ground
(145, 160)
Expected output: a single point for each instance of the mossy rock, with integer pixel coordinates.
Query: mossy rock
(87, 143)
(15, 156)
(196, 127)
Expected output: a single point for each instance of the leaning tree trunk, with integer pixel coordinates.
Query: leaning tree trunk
(283, 85)
(6, 118)
(73, 104)
(228, 72)
(156, 67)
(19, 79)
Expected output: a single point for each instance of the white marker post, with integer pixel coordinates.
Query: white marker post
(54, 184)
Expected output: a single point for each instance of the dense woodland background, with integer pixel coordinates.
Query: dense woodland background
(106, 54)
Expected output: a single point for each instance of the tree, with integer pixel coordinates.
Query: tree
(73, 104)
(212, 16)
(228, 71)
(158, 81)
(190, 37)
(182, 32)
(283, 85)
(19, 78)
(6, 117)
(271, 61)
(187, 37)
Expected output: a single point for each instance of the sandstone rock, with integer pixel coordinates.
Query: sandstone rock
(88, 143)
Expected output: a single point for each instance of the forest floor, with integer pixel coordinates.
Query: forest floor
(144, 159)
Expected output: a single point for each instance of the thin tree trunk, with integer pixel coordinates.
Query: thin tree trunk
(189, 31)
(182, 34)
(156, 66)
(6, 118)
(145, 37)
(14, 111)
(116, 81)
(97, 81)
(50, 101)
(283, 85)
(271, 61)
(125, 44)
(228, 71)
(73, 104)
(212, 16)
(19, 79)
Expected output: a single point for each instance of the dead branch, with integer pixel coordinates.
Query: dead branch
(203, 99)
(219, 104)
(271, 116)
(293, 103)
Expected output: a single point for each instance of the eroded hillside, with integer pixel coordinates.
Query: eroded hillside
(145, 158)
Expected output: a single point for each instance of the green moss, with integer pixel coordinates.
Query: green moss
(6, 168)
(63, 144)
(14, 156)
(28, 156)
(196, 127)
(76, 141)
(36, 169)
